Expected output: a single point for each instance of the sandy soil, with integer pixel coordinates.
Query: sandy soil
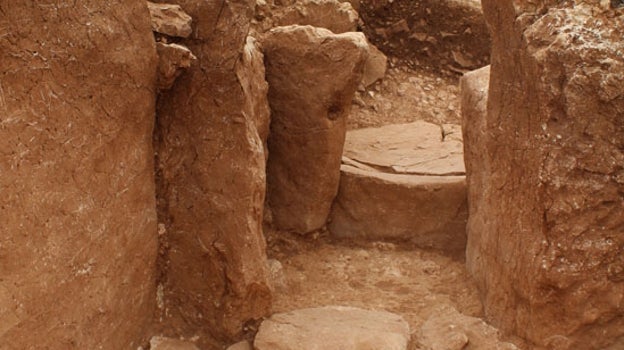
(406, 95)
(377, 275)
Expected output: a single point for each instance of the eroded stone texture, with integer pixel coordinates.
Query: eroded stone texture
(338, 17)
(312, 75)
(405, 182)
(333, 328)
(170, 20)
(211, 172)
(546, 249)
(173, 59)
(77, 211)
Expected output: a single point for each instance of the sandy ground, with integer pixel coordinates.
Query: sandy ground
(376, 275)
(407, 95)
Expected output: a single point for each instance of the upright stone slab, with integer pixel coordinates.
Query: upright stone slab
(77, 212)
(546, 247)
(312, 75)
(211, 177)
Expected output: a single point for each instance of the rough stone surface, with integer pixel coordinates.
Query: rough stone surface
(333, 328)
(430, 211)
(375, 67)
(474, 91)
(312, 75)
(211, 184)
(448, 329)
(251, 75)
(405, 182)
(243, 345)
(418, 148)
(173, 59)
(77, 212)
(170, 20)
(546, 249)
(338, 17)
(162, 343)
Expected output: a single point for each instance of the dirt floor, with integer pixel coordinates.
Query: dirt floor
(406, 95)
(376, 275)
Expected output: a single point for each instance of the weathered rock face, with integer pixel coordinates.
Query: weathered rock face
(403, 182)
(338, 17)
(78, 242)
(546, 248)
(170, 20)
(211, 172)
(312, 75)
(450, 330)
(173, 59)
(333, 328)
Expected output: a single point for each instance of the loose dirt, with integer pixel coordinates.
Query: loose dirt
(406, 95)
(377, 275)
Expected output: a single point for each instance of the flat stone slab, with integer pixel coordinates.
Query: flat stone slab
(404, 181)
(333, 328)
(418, 148)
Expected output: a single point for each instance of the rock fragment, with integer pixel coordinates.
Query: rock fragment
(173, 59)
(545, 241)
(169, 19)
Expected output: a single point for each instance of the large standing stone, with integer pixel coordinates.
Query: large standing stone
(211, 172)
(333, 328)
(77, 212)
(312, 75)
(547, 246)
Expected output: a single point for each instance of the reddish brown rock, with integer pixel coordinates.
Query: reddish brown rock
(546, 247)
(173, 59)
(170, 20)
(77, 212)
(474, 92)
(337, 16)
(211, 177)
(312, 75)
(375, 67)
(403, 182)
(333, 328)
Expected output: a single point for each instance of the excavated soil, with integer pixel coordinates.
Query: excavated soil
(377, 275)
(407, 95)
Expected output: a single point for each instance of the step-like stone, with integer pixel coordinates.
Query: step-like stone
(404, 181)
(333, 328)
